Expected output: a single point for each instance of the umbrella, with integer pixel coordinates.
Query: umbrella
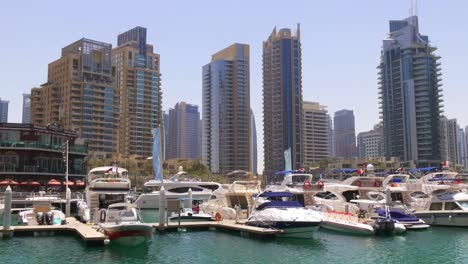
(70, 183)
(79, 183)
(53, 182)
(31, 183)
(8, 182)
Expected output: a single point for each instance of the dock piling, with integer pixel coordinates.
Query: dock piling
(68, 198)
(162, 209)
(7, 213)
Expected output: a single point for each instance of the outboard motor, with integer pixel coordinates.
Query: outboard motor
(384, 226)
(49, 218)
(40, 218)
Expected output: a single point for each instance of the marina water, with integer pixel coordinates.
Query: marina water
(435, 245)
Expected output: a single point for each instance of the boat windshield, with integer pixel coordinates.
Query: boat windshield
(463, 204)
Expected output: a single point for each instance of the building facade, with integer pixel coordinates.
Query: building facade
(282, 100)
(33, 152)
(315, 129)
(226, 110)
(410, 93)
(137, 82)
(183, 138)
(79, 95)
(4, 110)
(345, 135)
(26, 117)
(370, 143)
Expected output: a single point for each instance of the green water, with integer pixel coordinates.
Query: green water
(436, 245)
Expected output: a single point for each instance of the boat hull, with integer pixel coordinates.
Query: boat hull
(151, 200)
(128, 234)
(456, 219)
(348, 227)
(290, 229)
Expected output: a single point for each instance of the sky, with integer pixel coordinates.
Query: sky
(341, 43)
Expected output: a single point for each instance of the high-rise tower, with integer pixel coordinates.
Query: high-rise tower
(79, 95)
(282, 100)
(137, 81)
(226, 110)
(183, 132)
(345, 134)
(410, 93)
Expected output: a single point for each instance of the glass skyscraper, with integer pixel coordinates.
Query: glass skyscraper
(26, 118)
(4, 111)
(345, 134)
(282, 100)
(226, 110)
(410, 93)
(183, 132)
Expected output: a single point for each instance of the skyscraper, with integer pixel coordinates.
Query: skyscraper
(452, 140)
(4, 111)
(79, 95)
(166, 135)
(253, 143)
(331, 137)
(26, 118)
(410, 93)
(282, 100)
(183, 138)
(315, 129)
(345, 135)
(226, 110)
(137, 81)
(370, 143)
(461, 145)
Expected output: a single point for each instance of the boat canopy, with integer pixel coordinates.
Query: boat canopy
(427, 169)
(344, 170)
(399, 216)
(286, 172)
(276, 194)
(279, 204)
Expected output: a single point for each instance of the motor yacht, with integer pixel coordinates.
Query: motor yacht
(447, 208)
(122, 224)
(232, 200)
(175, 187)
(278, 210)
(105, 186)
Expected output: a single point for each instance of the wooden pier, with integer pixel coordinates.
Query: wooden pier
(91, 234)
(88, 233)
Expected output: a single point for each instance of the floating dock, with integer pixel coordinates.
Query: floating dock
(91, 234)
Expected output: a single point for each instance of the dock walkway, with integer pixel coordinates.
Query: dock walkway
(91, 234)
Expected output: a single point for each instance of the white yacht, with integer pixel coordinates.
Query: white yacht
(105, 186)
(446, 209)
(277, 210)
(176, 187)
(229, 198)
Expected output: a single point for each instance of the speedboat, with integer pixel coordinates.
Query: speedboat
(410, 221)
(277, 210)
(123, 225)
(41, 215)
(176, 187)
(105, 185)
(190, 215)
(346, 223)
(448, 208)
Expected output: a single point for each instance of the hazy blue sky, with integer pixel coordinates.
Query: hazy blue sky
(341, 43)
